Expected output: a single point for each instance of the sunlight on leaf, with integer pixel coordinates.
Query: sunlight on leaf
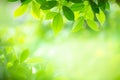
(57, 23)
(20, 10)
(34, 60)
(24, 55)
(35, 10)
(93, 25)
(78, 24)
(50, 15)
(101, 17)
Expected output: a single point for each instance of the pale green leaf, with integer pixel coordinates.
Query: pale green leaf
(93, 25)
(34, 60)
(24, 55)
(57, 23)
(89, 13)
(35, 10)
(50, 15)
(50, 69)
(20, 10)
(101, 17)
(78, 24)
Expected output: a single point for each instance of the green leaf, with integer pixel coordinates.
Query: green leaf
(48, 5)
(107, 6)
(34, 60)
(50, 15)
(35, 9)
(68, 13)
(102, 4)
(76, 1)
(94, 7)
(24, 55)
(20, 10)
(25, 1)
(57, 23)
(89, 13)
(78, 7)
(118, 2)
(41, 1)
(50, 69)
(93, 25)
(101, 17)
(12, 0)
(78, 24)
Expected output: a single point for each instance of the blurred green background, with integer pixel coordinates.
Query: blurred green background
(83, 55)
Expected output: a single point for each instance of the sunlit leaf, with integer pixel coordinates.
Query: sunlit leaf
(101, 17)
(24, 55)
(78, 24)
(40, 75)
(57, 23)
(50, 69)
(34, 60)
(35, 9)
(89, 13)
(50, 15)
(93, 25)
(9, 64)
(20, 10)
(9, 54)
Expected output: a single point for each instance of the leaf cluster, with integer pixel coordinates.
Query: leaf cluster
(21, 66)
(80, 12)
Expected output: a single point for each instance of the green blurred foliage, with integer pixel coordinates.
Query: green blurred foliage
(30, 51)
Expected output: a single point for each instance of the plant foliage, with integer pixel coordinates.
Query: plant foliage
(91, 11)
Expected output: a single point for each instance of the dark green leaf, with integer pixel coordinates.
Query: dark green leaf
(48, 5)
(25, 1)
(118, 2)
(102, 4)
(94, 7)
(68, 13)
(12, 0)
